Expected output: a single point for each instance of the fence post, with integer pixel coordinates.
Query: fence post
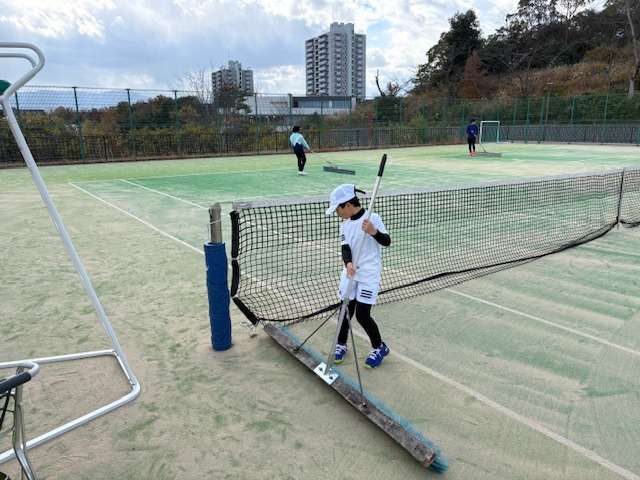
(132, 139)
(606, 108)
(177, 122)
(573, 107)
(255, 116)
(79, 124)
(290, 110)
(526, 129)
(541, 133)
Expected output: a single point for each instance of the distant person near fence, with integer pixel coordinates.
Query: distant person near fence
(299, 144)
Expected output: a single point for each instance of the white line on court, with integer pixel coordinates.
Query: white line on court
(547, 322)
(591, 455)
(163, 193)
(144, 222)
(216, 173)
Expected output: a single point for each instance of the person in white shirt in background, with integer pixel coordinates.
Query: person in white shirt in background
(299, 144)
(366, 274)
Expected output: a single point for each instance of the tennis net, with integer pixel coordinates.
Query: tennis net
(286, 254)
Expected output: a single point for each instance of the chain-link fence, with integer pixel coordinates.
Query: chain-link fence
(69, 124)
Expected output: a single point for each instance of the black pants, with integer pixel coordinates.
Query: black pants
(363, 314)
(472, 143)
(302, 158)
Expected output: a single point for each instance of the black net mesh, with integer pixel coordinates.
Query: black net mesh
(286, 256)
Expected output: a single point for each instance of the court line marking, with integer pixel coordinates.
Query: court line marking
(547, 322)
(591, 455)
(293, 169)
(144, 222)
(163, 193)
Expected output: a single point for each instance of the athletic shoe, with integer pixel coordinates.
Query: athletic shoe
(341, 351)
(302, 173)
(376, 356)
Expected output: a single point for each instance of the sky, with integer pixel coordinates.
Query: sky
(151, 44)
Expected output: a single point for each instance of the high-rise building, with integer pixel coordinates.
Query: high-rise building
(233, 76)
(336, 62)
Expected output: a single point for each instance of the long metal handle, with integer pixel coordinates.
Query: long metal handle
(345, 301)
(36, 65)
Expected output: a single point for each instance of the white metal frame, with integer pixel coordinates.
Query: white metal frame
(18, 436)
(482, 123)
(116, 351)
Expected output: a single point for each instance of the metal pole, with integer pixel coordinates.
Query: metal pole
(215, 223)
(79, 124)
(177, 120)
(66, 239)
(526, 135)
(131, 135)
(599, 131)
(255, 102)
(573, 107)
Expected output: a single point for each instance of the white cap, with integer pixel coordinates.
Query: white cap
(341, 194)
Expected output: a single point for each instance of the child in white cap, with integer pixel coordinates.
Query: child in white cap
(368, 236)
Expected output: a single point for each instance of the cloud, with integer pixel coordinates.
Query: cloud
(280, 79)
(57, 18)
(153, 43)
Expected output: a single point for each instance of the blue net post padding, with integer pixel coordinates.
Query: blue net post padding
(218, 292)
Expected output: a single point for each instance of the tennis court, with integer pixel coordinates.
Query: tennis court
(525, 373)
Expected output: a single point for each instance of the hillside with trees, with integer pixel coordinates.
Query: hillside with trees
(562, 46)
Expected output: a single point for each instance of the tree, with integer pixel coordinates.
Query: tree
(230, 101)
(473, 79)
(200, 83)
(568, 11)
(624, 15)
(446, 60)
(633, 78)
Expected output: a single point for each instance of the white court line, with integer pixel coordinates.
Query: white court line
(548, 322)
(162, 193)
(292, 169)
(593, 456)
(144, 222)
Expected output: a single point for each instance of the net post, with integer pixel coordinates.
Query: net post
(215, 223)
(215, 255)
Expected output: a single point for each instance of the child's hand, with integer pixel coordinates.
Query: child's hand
(351, 270)
(368, 227)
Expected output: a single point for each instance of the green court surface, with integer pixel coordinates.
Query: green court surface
(526, 373)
